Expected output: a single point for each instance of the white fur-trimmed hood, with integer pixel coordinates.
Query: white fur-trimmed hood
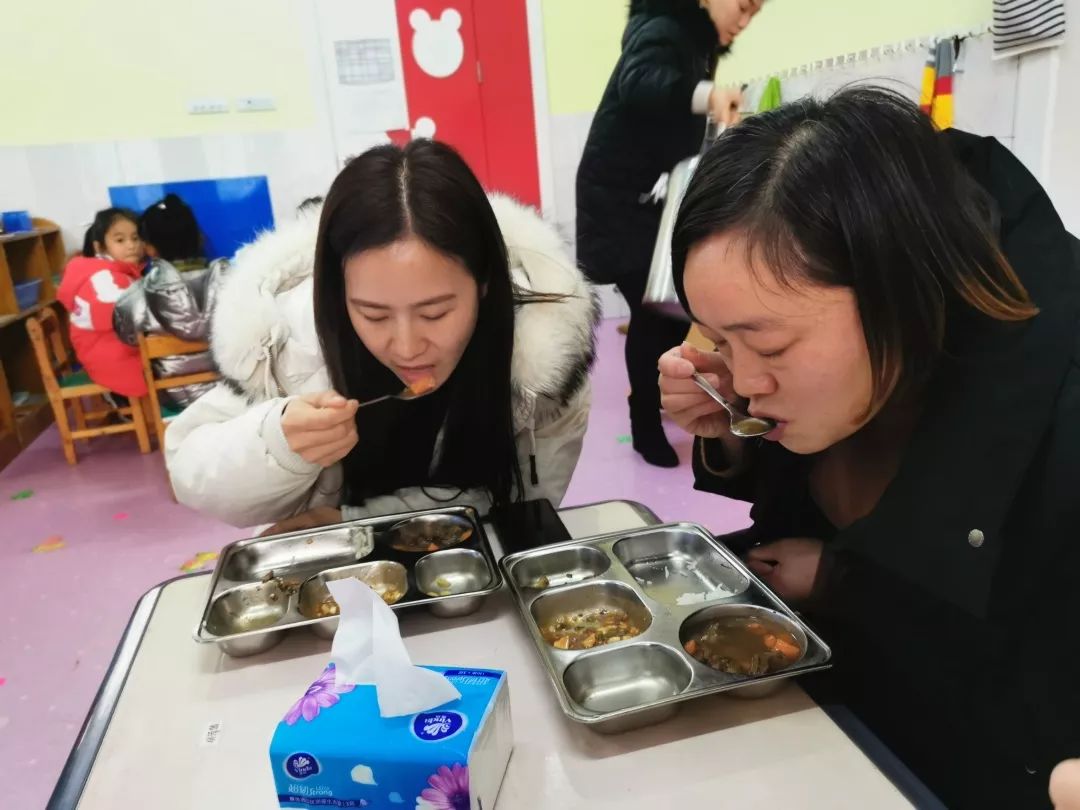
(553, 342)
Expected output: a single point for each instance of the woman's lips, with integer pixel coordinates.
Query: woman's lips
(776, 433)
(415, 373)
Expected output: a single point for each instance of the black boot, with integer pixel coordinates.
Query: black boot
(648, 435)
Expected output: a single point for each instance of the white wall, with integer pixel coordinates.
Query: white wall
(1061, 166)
(68, 182)
(1032, 104)
(1026, 102)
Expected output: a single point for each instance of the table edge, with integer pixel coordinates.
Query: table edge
(69, 787)
(645, 513)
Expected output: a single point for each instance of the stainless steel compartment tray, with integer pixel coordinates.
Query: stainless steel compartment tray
(259, 584)
(673, 572)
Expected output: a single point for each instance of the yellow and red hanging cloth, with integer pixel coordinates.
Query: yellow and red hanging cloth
(936, 99)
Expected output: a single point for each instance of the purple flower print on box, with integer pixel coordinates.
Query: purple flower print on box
(320, 695)
(449, 790)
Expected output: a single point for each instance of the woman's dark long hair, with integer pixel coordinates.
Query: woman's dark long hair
(424, 190)
(858, 191)
(103, 220)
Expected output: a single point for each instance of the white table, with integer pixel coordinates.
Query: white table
(145, 741)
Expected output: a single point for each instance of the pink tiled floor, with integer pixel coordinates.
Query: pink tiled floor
(67, 608)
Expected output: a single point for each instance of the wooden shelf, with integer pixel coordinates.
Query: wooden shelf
(36, 255)
(30, 421)
(34, 234)
(8, 320)
(10, 446)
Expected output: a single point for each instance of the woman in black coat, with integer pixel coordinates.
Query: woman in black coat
(905, 303)
(651, 116)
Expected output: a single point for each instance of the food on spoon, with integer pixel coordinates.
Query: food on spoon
(753, 426)
(585, 629)
(422, 386)
(744, 645)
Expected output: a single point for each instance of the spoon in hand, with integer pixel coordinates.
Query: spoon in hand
(414, 390)
(742, 425)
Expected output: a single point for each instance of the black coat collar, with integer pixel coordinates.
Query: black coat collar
(988, 411)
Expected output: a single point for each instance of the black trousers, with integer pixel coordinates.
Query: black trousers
(650, 335)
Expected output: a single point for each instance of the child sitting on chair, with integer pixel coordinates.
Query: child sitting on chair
(175, 297)
(111, 261)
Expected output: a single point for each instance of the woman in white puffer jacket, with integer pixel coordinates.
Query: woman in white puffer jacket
(410, 274)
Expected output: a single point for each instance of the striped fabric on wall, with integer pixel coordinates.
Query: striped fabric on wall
(1026, 25)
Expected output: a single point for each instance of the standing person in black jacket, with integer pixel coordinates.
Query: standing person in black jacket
(651, 116)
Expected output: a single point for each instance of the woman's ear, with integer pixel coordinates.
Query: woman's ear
(98, 248)
(151, 251)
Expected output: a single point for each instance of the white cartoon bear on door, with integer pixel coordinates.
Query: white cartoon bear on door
(425, 128)
(436, 44)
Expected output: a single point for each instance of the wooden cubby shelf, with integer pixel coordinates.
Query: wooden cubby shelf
(38, 254)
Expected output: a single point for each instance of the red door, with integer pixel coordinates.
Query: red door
(502, 36)
(468, 83)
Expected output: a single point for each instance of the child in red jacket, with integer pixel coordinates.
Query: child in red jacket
(111, 261)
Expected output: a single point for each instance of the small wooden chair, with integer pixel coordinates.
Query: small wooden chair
(153, 347)
(66, 387)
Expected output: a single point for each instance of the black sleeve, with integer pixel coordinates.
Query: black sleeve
(655, 75)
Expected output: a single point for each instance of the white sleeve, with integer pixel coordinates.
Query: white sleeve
(229, 458)
(557, 449)
(699, 102)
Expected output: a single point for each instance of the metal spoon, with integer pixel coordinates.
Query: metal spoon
(414, 391)
(742, 425)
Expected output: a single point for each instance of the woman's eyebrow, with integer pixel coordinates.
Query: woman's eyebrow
(439, 299)
(752, 325)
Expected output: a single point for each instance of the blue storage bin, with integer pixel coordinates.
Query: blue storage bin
(26, 294)
(16, 221)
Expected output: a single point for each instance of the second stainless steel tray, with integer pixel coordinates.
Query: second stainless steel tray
(670, 580)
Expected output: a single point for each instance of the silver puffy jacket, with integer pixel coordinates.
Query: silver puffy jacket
(168, 300)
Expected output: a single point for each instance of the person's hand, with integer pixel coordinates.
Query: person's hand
(311, 519)
(788, 566)
(688, 406)
(1065, 785)
(724, 105)
(320, 428)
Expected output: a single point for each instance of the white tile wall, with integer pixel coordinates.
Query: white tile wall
(69, 182)
(568, 135)
(985, 101)
(984, 90)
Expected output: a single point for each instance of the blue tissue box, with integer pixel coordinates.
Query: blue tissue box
(333, 749)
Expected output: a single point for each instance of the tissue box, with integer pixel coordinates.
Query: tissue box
(333, 749)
